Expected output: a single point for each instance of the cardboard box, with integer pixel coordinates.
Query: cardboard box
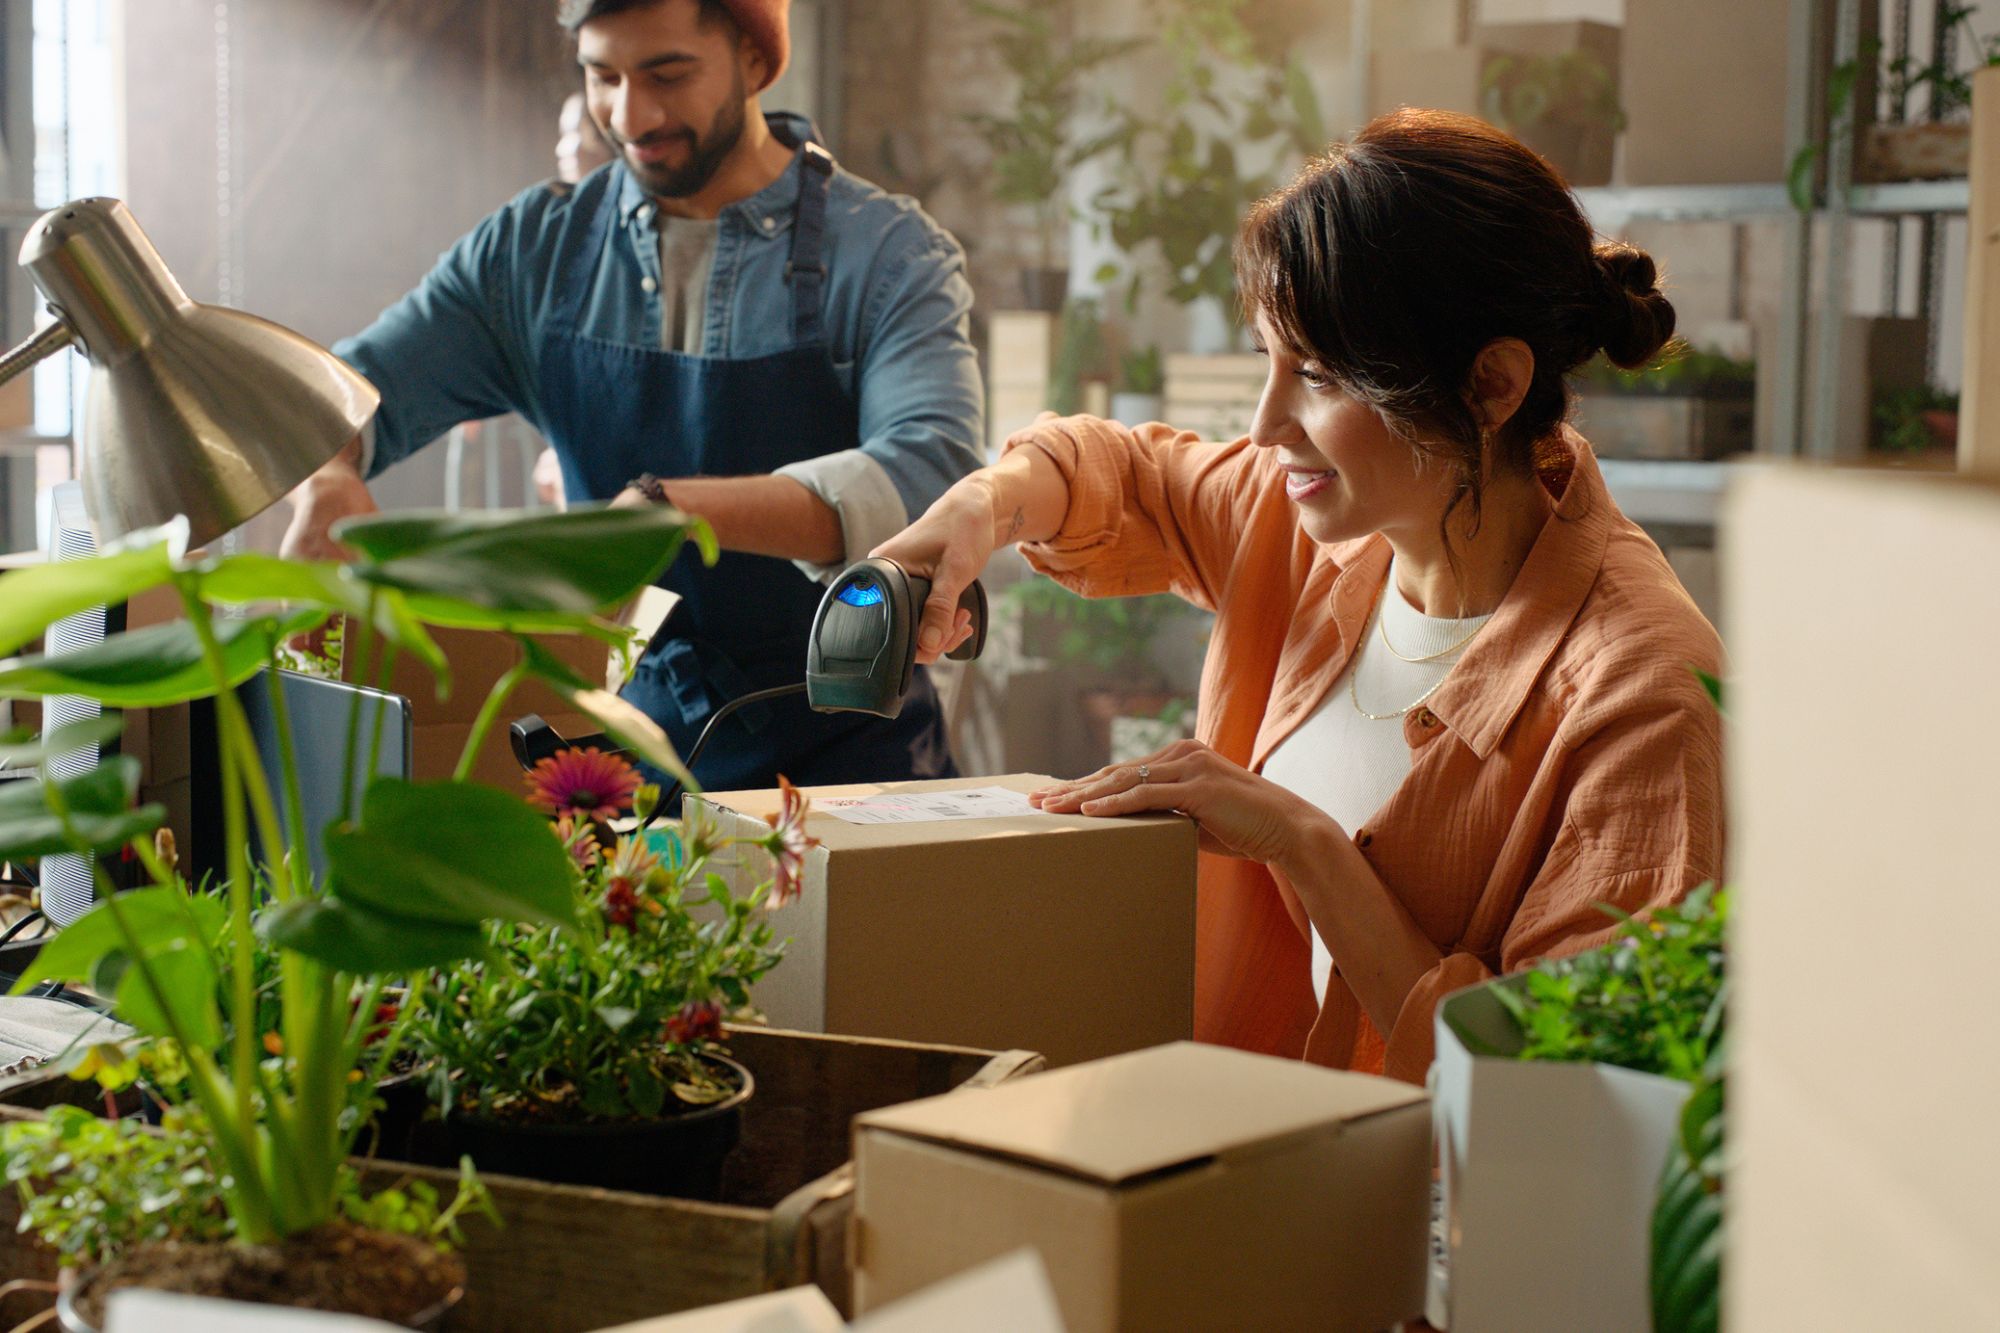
(440, 727)
(1704, 95)
(1862, 1026)
(1009, 1295)
(1063, 934)
(1581, 152)
(1550, 1172)
(1184, 1187)
(1441, 78)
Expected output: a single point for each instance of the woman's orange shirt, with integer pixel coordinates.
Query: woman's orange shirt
(1572, 757)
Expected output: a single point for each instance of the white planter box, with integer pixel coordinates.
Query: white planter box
(1549, 1175)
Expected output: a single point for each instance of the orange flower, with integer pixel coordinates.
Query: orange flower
(579, 837)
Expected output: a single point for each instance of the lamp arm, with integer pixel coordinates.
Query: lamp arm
(46, 343)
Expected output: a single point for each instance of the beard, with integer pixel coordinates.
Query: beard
(706, 151)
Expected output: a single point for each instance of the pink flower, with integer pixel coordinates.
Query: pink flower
(696, 1022)
(588, 782)
(788, 844)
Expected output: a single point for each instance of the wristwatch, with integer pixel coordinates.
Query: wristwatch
(651, 487)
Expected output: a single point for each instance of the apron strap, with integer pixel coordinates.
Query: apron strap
(806, 270)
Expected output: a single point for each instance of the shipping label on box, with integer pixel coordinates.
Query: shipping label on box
(1062, 934)
(1183, 1187)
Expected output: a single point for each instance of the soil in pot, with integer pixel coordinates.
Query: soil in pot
(680, 1154)
(340, 1268)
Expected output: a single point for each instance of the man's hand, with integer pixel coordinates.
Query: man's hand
(334, 492)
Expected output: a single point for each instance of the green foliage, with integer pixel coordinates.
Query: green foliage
(1080, 354)
(605, 1022)
(1142, 370)
(1899, 417)
(1189, 175)
(413, 1208)
(1108, 634)
(267, 1052)
(1523, 94)
(1036, 145)
(90, 1187)
(1651, 1001)
(1680, 370)
(1687, 1236)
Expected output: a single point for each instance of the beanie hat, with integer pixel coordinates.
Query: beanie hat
(768, 24)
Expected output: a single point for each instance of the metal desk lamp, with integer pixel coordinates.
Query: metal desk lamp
(192, 409)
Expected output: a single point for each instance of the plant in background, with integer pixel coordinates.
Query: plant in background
(1081, 354)
(1191, 173)
(1680, 370)
(1112, 635)
(1687, 1220)
(1916, 420)
(612, 1020)
(415, 873)
(1653, 1001)
(1036, 146)
(1142, 370)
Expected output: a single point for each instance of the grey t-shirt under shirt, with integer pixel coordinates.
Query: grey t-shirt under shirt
(687, 256)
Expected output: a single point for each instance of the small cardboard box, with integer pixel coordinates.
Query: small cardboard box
(1550, 1173)
(1184, 1187)
(1063, 934)
(478, 658)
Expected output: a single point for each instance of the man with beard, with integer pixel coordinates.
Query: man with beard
(726, 321)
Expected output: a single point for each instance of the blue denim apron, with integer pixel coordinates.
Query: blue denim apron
(613, 411)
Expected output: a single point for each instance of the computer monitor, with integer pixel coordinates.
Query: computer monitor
(64, 532)
(318, 711)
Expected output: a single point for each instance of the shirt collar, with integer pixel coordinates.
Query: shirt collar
(775, 201)
(1487, 687)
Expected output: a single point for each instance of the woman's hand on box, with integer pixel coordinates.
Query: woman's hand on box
(1238, 812)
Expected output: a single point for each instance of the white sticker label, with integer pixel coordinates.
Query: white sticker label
(912, 807)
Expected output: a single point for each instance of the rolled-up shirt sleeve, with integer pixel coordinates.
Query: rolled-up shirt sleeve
(857, 487)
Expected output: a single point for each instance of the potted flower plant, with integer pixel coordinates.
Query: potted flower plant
(1557, 1094)
(594, 1055)
(416, 872)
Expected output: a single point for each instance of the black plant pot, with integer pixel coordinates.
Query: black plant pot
(1045, 288)
(679, 1155)
(394, 1131)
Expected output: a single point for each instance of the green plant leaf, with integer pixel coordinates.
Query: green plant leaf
(451, 853)
(158, 665)
(34, 598)
(99, 804)
(352, 937)
(22, 748)
(575, 563)
(186, 976)
(234, 580)
(173, 931)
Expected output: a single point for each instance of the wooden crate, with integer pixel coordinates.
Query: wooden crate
(573, 1259)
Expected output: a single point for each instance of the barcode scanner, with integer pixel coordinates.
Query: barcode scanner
(863, 649)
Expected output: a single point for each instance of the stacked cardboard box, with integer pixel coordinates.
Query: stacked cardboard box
(1020, 347)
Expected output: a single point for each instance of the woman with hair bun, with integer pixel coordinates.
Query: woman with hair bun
(1451, 703)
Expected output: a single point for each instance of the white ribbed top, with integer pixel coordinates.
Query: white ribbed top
(1349, 765)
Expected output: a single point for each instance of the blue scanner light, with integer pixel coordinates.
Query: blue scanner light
(861, 594)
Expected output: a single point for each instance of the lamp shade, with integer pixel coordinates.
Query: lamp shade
(191, 409)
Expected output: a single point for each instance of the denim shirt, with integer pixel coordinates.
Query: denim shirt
(464, 344)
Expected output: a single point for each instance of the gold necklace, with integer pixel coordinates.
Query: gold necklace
(1382, 624)
(1354, 694)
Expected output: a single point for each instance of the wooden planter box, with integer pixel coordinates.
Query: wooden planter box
(1647, 425)
(570, 1259)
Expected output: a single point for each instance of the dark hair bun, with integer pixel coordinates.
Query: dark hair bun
(1635, 319)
